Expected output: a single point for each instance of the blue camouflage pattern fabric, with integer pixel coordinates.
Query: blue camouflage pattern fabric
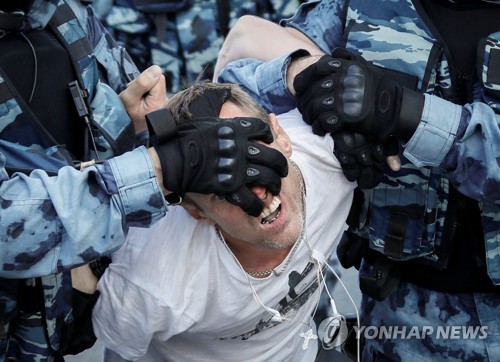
(403, 42)
(393, 35)
(45, 232)
(432, 317)
(35, 335)
(186, 44)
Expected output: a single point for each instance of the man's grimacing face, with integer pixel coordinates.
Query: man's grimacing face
(283, 221)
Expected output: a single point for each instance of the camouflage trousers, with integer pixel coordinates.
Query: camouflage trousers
(28, 342)
(417, 324)
(24, 332)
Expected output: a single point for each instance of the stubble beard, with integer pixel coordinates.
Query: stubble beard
(280, 244)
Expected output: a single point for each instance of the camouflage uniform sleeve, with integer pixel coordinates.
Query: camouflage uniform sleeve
(465, 141)
(320, 21)
(50, 224)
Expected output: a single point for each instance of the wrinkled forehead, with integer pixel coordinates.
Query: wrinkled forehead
(210, 103)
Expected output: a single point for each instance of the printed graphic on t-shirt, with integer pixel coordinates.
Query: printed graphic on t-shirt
(302, 287)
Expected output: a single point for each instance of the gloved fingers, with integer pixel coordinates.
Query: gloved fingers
(350, 166)
(318, 97)
(318, 110)
(324, 66)
(266, 156)
(369, 177)
(391, 147)
(253, 128)
(247, 200)
(330, 122)
(361, 159)
(317, 100)
(350, 250)
(317, 128)
(364, 155)
(263, 176)
(349, 142)
(378, 152)
(352, 173)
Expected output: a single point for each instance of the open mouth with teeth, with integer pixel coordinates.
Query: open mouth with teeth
(271, 211)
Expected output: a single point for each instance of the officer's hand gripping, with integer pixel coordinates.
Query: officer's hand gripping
(344, 91)
(219, 156)
(362, 160)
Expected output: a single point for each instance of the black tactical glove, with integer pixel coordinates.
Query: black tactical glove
(350, 249)
(361, 160)
(219, 156)
(345, 91)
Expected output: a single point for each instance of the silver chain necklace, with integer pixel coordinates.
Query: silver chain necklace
(263, 272)
(309, 334)
(295, 247)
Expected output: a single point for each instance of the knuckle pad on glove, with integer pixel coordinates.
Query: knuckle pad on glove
(328, 65)
(378, 152)
(330, 122)
(364, 155)
(227, 152)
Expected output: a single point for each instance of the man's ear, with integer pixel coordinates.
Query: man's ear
(280, 136)
(197, 214)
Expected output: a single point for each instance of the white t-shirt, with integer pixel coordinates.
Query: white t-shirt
(175, 293)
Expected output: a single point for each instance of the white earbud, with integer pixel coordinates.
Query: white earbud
(334, 308)
(276, 315)
(319, 257)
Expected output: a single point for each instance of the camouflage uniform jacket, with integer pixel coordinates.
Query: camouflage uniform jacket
(187, 43)
(453, 143)
(45, 232)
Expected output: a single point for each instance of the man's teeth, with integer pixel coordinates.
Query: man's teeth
(269, 209)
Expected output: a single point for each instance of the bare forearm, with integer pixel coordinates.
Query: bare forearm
(257, 38)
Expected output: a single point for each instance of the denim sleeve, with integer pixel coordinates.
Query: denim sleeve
(264, 81)
(465, 141)
(50, 224)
